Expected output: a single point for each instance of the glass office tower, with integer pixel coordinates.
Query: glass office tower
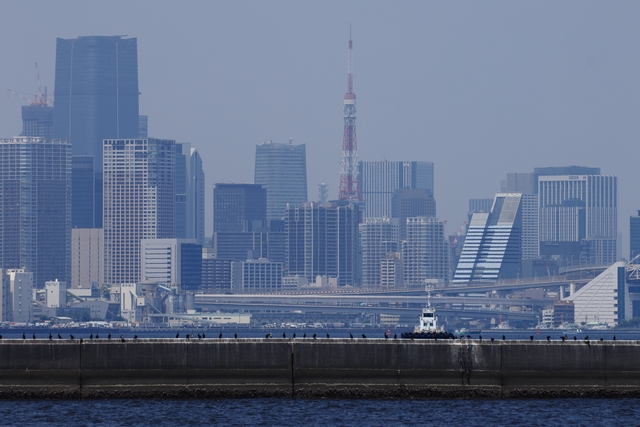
(380, 179)
(282, 170)
(96, 98)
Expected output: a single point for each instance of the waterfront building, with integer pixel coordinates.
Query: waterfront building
(131, 301)
(378, 237)
(96, 98)
(139, 201)
(634, 236)
(605, 299)
(578, 218)
(425, 252)
(256, 276)
(35, 207)
(238, 207)
(282, 170)
(21, 287)
(380, 179)
(216, 273)
(55, 294)
(173, 262)
(322, 240)
(87, 257)
(493, 246)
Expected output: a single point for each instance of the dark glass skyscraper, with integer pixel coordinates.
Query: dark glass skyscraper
(96, 89)
(237, 207)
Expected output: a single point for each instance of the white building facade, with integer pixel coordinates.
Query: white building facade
(138, 199)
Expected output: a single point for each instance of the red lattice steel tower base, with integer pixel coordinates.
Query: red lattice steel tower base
(349, 178)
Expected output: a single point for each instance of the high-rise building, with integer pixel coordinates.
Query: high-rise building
(263, 242)
(143, 126)
(238, 207)
(216, 273)
(87, 257)
(6, 303)
(480, 205)
(139, 201)
(378, 237)
(174, 262)
(525, 183)
(37, 120)
(493, 246)
(256, 275)
(35, 207)
(197, 194)
(83, 192)
(322, 240)
(411, 202)
(634, 236)
(21, 287)
(189, 194)
(578, 218)
(96, 97)
(282, 170)
(530, 238)
(380, 179)
(425, 252)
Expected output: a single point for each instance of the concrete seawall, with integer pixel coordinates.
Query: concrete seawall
(215, 368)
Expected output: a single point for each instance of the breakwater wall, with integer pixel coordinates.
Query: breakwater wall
(213, 368)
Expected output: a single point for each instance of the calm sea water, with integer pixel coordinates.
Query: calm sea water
(293, 412)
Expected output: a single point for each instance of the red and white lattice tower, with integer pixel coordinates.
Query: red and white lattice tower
(349, 179)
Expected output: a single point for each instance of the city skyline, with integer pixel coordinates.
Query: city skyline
(464, 87)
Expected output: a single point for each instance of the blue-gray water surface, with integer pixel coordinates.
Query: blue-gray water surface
(293, 412)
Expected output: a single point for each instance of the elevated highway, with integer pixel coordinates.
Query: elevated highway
(460, 313)
(467, 307)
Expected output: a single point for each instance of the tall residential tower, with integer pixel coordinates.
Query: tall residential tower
(139, 201)
(35, 207)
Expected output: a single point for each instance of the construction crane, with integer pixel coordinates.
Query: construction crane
(39, 99)
(460, 232)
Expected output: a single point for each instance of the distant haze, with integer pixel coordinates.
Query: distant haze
(479, 88)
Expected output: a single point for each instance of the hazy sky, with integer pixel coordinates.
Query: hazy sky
(479, 88)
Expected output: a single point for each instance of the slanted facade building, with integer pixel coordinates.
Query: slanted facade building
(493, 246)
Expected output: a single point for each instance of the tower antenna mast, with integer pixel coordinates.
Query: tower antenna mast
(349, 178)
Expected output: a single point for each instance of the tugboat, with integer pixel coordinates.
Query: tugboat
(427, 327)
